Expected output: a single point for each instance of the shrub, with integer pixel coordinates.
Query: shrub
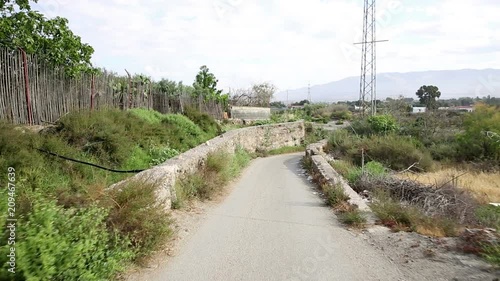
(342, 115)
(361, 127)
(159, 155)
(481, 139)
(395, 152)
(390, 212)
(183, 133)
(393, 214)
(383, 124)
(151, 116)
(313, 135)
(136, 213)
(220, 168)
(353, 218)
(335, 195)
(489, 216)
(343, 167)
(444, 151)
(67, 244)
(206, 122)
(340, 142)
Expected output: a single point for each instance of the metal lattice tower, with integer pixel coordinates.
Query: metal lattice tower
(368, 83)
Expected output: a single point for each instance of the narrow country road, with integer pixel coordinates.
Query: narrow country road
(274, 227)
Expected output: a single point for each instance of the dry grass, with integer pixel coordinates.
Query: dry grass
(485, 187)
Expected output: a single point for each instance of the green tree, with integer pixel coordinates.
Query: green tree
(49, 39)
(278, 104)
(302, 102)
(481, 138)
(428, 96)
(205, 84)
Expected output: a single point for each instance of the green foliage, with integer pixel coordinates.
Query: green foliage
(343, 167)
(151, 116)
(205, 85)
(67, 244)
(353, 218)
(353, 173)
(383, 124)
(286, 150)
(481, 139)
(63, 206)
(277, 104)
(361, 127)
(159, 155)
(204, 121)
(395, 152)
(489, 216)
(335, 195)
(50, 39)
(183, 133)
(314, 134)
(492, 253)
(136, 213)
(219, 169)
(390, 212)
(428, 95)
(397, 216)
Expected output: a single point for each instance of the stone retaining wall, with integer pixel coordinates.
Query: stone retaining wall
(328, 175)
(266, 137)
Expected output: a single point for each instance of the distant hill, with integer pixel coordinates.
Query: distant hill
(451, 83)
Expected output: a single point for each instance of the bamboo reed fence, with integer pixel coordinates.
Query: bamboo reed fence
(34, 93)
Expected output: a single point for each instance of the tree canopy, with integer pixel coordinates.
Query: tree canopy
(428, 96)
(49, 39)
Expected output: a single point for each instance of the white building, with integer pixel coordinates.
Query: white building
(419, 109)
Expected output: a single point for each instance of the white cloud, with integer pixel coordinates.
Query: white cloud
(286, 42)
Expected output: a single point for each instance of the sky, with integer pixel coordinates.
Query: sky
(288, 43)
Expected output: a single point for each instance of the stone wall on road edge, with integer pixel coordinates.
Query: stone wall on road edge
(265, 137)
(327, 174)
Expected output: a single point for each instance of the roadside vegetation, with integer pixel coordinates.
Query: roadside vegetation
(70, 226)
(220, 168)
(432, 173)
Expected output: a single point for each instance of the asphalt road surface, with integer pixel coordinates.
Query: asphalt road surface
(274, 227)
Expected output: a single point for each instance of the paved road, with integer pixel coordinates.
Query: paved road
(273, 227)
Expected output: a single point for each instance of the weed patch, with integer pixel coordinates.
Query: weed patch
(285, 150)
(399, 217)
(219, 169)
(353, 218)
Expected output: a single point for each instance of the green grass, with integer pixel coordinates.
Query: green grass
(489, 216)
(335, 195)
(399, 217)
(353, 218)
(286, 150)
(220, 168)
(63, 207)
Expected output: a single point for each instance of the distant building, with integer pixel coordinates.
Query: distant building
(418, 109)
(458, 108)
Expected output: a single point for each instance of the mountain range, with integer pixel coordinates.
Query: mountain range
(451, 83)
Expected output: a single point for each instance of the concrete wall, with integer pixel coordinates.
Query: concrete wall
(264, 137)
(326, 174)
(250, 113)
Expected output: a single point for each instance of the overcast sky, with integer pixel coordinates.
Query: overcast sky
(287, 42)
